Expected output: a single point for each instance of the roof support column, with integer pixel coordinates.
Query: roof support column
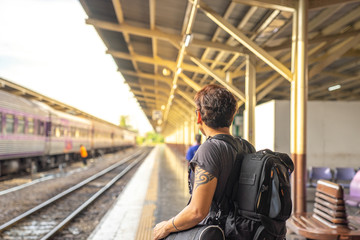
(250, 103)
(299, 89)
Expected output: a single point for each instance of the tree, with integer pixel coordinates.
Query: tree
(123, 121)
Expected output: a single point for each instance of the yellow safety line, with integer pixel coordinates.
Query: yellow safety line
(147, 216)
(179, 168)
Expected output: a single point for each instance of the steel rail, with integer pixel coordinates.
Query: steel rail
(90, 200)
(64, 193)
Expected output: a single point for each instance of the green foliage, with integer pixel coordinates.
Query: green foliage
(123, 121)
(140, 140)
(150, 139)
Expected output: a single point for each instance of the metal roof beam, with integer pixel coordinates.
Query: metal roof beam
(179, 60)
(220, 79)
(333, 54)
(190, 82)
(349, 17)
(148, 99)
(132, 84)
(313, 4)
(322, 17)
(150, 60)
(120, 18)
(172, 38)
(283, 5)
(186, 97)
(258, 51)
(290, 5)
(325, 87)
(154, 95)
(184, 106)
(163, 79)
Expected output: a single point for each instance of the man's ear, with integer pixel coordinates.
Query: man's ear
(199, 118)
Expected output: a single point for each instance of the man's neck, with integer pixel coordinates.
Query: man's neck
(210, 132)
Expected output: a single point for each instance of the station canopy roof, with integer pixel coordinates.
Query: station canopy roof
(167, 49)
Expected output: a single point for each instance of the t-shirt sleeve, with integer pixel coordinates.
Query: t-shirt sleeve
(208, 158)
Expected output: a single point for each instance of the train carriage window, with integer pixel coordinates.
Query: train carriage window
(20, 125)
(9, 128)
(30, 126)
(57, 131)
(77, 133)
(61, 130)
(72, 131)
(41, 128)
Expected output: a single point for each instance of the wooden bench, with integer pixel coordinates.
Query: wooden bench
(329, 219)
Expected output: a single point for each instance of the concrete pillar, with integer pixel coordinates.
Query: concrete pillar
(299, 103)
(250, 95)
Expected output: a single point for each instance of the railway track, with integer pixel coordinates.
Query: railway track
(48, 218)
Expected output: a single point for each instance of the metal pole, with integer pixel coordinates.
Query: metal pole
(301, 102)
(293, 102)
(250, 95)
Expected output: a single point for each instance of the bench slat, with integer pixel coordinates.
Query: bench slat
(336, 201)
(329, 188)
(331, 212)
(329, 218)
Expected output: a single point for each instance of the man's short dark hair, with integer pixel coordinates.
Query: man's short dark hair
(198, 138)
(217, 106)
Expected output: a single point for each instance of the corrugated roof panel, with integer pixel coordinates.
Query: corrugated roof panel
(115, 41)
(124, 64)
(136, 10)
(339, 14)
(142, 45)
(170, 14)
(204, 26)
(166, 50)
(146, 67)
(101, 10)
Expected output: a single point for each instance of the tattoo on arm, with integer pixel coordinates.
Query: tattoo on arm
(202, 177)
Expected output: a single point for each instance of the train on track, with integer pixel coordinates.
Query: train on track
(34, 136)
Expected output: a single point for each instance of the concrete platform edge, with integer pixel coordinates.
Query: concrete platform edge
(122, 220)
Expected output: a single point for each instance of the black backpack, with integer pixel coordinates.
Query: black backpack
(257, 199)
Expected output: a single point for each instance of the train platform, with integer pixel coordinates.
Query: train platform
(157, 192)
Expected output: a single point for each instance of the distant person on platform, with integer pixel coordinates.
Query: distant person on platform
(83, 154)
(191, 151)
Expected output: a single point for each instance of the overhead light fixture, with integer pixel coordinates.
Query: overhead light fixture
(172, 96)
(174, 86)
(178, 71)
(166, 72)
(159, 122)
(162, 107)
(188, 38)
(333, 88)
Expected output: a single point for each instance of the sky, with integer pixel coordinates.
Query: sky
(46, 46)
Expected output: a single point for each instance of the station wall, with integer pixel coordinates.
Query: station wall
(333, 131)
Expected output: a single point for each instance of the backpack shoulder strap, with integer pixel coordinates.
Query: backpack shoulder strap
(245, 145)
(228, 139)
(239, 144)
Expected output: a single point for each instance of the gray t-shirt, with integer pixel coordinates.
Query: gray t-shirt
(216, 157)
